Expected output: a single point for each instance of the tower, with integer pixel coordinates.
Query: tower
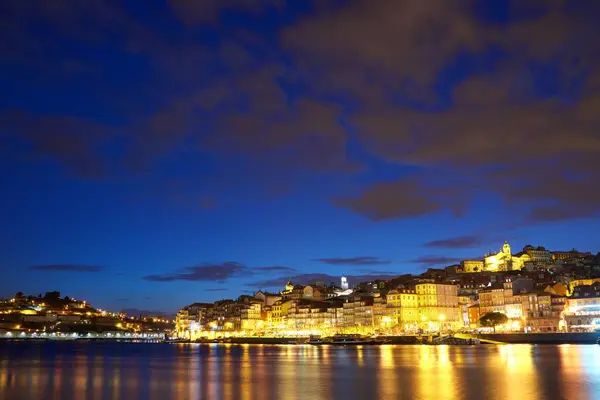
(344, 283)
(506, 249)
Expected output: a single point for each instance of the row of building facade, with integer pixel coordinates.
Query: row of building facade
(541, 291)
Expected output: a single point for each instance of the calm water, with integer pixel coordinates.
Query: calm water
(188, 371)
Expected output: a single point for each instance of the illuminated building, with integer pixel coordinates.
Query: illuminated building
(344, 283)
(251, 316)
(491, 300)
(582, 309)
(267, 298)
(438, 306)
(279, 312)
(286, 293)
(404, 306)
(503, 260)
(538, 255)
(581, 282)
(473, 315)
(566, 255)
(471, 266)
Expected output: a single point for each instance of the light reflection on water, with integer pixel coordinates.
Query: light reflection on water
(255, 372)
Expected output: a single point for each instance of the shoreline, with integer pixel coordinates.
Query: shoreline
(458, 340)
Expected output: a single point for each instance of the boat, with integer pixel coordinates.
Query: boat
(347, 340)
(315, 340)
(176, 340)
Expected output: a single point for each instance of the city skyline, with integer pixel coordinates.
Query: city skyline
(188, 152)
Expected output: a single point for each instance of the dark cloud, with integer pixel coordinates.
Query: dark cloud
(432, 261)
(207, 11)
(388, 38)
(456, 242)
(67, 267)
(216, 290)
(218, 272)
(274, 268)
(364, 260)
(400, 199)
(72, 141)
(122, 300)
(305, 279)
(206, 272)
(496, 113)
(384, 58)
(371, 272)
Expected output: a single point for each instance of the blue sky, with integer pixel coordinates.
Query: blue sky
(190, 151)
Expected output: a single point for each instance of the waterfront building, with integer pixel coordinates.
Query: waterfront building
(438, 306)
(492, 300)
(404, 308)
(251, 316)
(280, 310)
(473, 315)
(582, 309)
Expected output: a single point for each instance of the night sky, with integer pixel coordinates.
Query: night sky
(181, 151)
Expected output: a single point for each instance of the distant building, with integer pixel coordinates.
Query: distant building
(565, 255)
(344, 283)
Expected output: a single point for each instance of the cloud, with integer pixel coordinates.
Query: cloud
(216, 290)
(206, 272)
(67, 268)
(386, 200)
(364, 260)
(207, 11)
(217, 272)
(415, 84)
(75, 142)
(305, 279)
(122, 300)
(389, 38)
(431, 261)
(493, 114)
(456, 242)
(274, 268)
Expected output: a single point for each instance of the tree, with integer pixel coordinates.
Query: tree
(52, 296)
(493, 319)
(19, 295)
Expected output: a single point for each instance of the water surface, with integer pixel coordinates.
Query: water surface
(188, 371)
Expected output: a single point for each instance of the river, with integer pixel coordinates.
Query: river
(56, 370)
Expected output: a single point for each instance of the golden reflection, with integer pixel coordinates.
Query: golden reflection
(436, 374)
(3, 375)
(57, 378)
(98, 378)
(286, 369)
(227, 371)
(517, 363)
(213, 372)
(388, 386)
(324, 354)
(194, 374)
(359, 356)
(81, 373)
(246, 374)
(116, 378)
(181, 375)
